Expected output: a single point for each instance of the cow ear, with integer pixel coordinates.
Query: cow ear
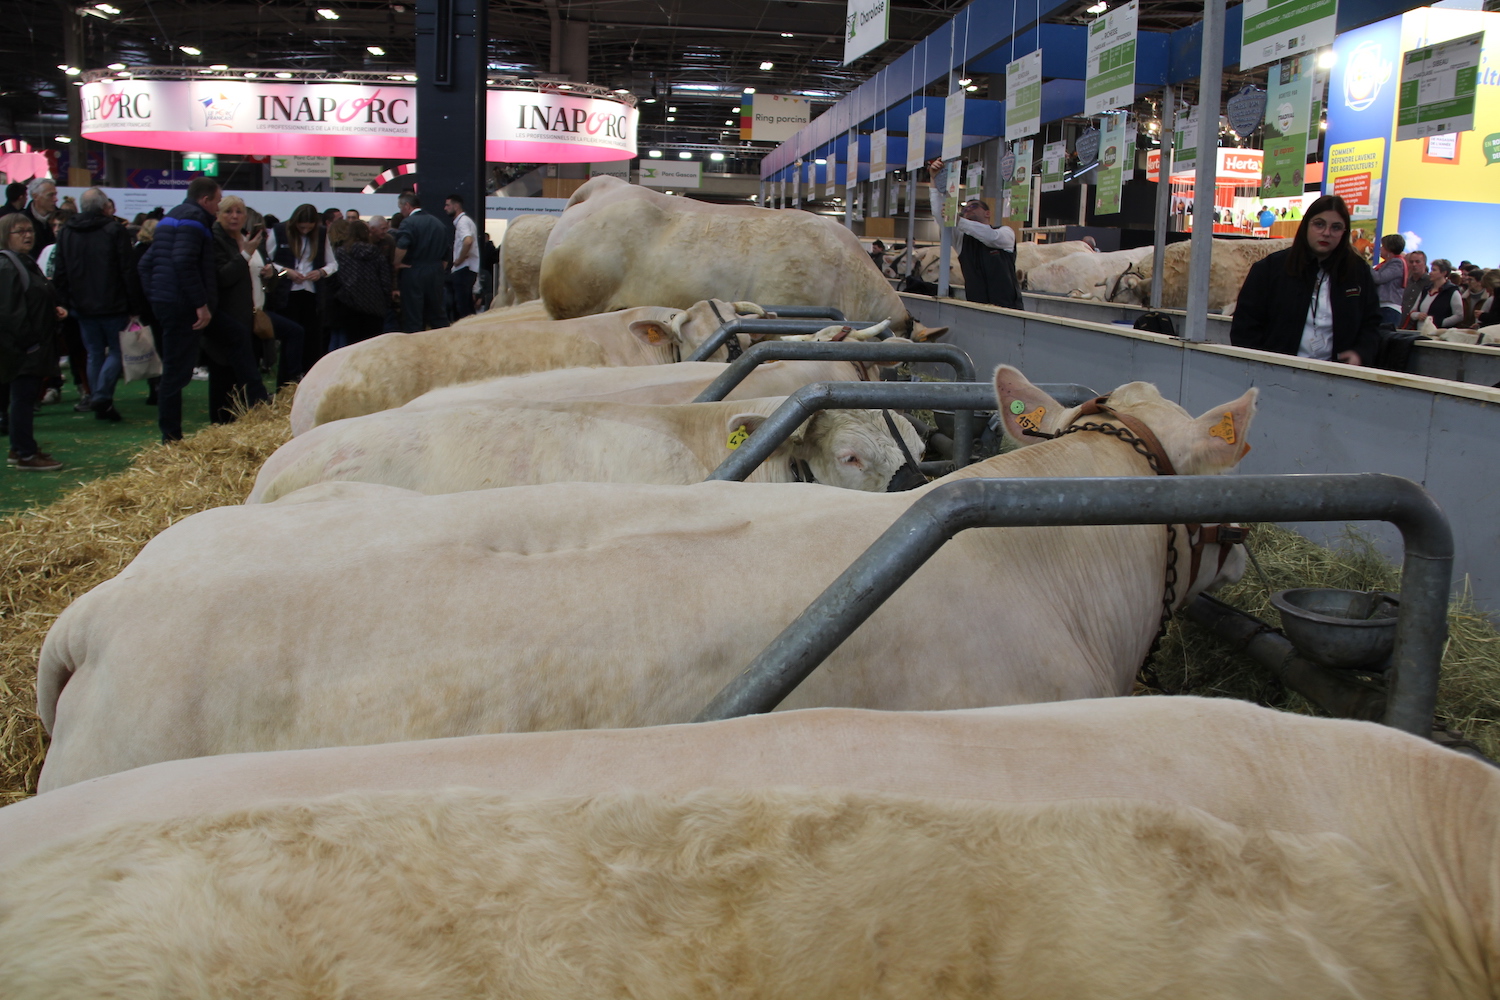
(740, 426)
(1024, 407)
(1220, 436)
(653, 333)
(927, 334)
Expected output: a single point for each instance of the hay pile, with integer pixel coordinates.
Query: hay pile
(53, 555)
(1193, 661)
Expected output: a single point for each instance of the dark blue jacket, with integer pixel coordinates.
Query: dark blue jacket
(179, 266)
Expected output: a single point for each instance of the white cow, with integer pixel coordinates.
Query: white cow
(620, 245)
(1086, 275)
(586, 605)
(677, 383)
(533, 310)
(521, 256)
(1099, 850)
(1231, 262)
(391, 369)
(1030, 255)
(484, 445)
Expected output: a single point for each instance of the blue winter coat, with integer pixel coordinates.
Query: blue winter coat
(179, 266)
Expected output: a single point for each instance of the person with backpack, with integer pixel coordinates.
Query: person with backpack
(1391, 277)
(364, 289)
(29, 315)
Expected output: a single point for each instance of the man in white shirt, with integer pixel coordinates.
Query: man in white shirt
(988, 258)
(465, 260)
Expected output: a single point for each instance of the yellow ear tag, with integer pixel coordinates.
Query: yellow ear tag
(655, 335)
(1031, 421)
(1224, 429)
(738, 437)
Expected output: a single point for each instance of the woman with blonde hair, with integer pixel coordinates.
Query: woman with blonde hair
(228, 340)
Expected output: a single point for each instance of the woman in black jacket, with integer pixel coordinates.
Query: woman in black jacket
(29, 314)
(300, 247)
(227, 342)
(1315, 299)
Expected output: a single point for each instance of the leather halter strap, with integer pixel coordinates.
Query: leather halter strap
(732, 345)
(1199, 535)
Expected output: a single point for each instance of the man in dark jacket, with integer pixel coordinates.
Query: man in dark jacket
(43, 206)
(181, 283)
(94, 271)
(422, 246)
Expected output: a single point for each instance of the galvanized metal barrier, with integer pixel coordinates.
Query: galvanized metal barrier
(956, 396)
(1426, 572)
(806, 312)
(802, 350)
(766, 327)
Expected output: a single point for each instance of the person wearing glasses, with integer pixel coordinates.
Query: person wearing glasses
(1316, 298)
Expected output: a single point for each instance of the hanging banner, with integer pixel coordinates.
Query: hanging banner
(1020, 183)
(355, 176)
(1054, 165)
(893, 208)
(1276, 29)
(1185, 141)
(953, 125)
(916, 139)
(776, 118)
(1246, 110)
(1438, 87)
(973, 181)
(1111, 165)
(1110, 79)
(1354, 173)
(950, 194)
(1087, 147)
(851, 166)
(877, 154)
(867, 24)
(685, 174)
(1023, 96)
(797, 186)
(254, 117)
(1288, 114)
(830, 175)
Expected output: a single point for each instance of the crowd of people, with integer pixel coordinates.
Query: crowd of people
(229, 295)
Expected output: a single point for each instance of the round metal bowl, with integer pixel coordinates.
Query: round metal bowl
(1344, 629)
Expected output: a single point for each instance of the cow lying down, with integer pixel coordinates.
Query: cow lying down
(481, 446)
(391, 369)
(600, 605)
(1098, 850)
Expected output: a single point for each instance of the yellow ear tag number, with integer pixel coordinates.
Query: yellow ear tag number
(1224, 429)
(1031, 421)
(738, 437)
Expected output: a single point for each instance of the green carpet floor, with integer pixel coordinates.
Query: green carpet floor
(90, 448)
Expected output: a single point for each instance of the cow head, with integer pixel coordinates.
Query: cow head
(851, 449)
(690, 327)
(1206, 445)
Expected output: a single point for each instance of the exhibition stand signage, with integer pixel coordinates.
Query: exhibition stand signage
(916, 140)
(1288, 121)
(1023, 96)
(1110, 81)
(684, 174)
(1438, 87)
(867, 24)
(229, 114)
(1054, 159)
(953, 125)
(1275, 29)
(1111, 165)
(877, 154)
(1019, 183)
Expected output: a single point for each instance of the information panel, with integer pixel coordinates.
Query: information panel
(1275, 29)
(1054, 161)
(916, 139)
(1111, 66)
(877, 154)
(953, 125)
(1288, 114)
(867, 23)
(1020, 183)
(1023, 96)
(1438, 87)
(1111, 165)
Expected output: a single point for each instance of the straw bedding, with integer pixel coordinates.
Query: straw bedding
(55, 554)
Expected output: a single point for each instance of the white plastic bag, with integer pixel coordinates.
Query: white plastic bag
(138, 352)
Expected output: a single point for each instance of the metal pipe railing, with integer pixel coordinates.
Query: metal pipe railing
(944, 511)
(805, 312)
(766, 328)
(791, 414)
(801, 350)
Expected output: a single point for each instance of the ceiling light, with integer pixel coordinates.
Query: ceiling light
(768, 65)
(649, 100)
(965, 82)
(728, 122)
(786, 34)
(971, 88)
(1328, 59)
(684, 155)
(191, 50)
(1323, 126)
(666, 192)
(749, 90)
(62, 65)
(250, 75)
(62, 138)
(283, 75)
(1099, 8)
(126, 73)
(821, 162)
(716, 157)
(410, 78)
(116, 66)
(328, 13)
(375, 50)
(395, 76)
(107, 8)
(673, 110)
(72, 71)
(219, 66)
(564, 86)
(622, 91)
(655, 154)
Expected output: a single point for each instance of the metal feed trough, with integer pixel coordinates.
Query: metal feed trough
(801, 350)
(1426, 572)
(806, 401)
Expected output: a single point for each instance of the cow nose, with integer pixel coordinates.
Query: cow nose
(908, 477)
